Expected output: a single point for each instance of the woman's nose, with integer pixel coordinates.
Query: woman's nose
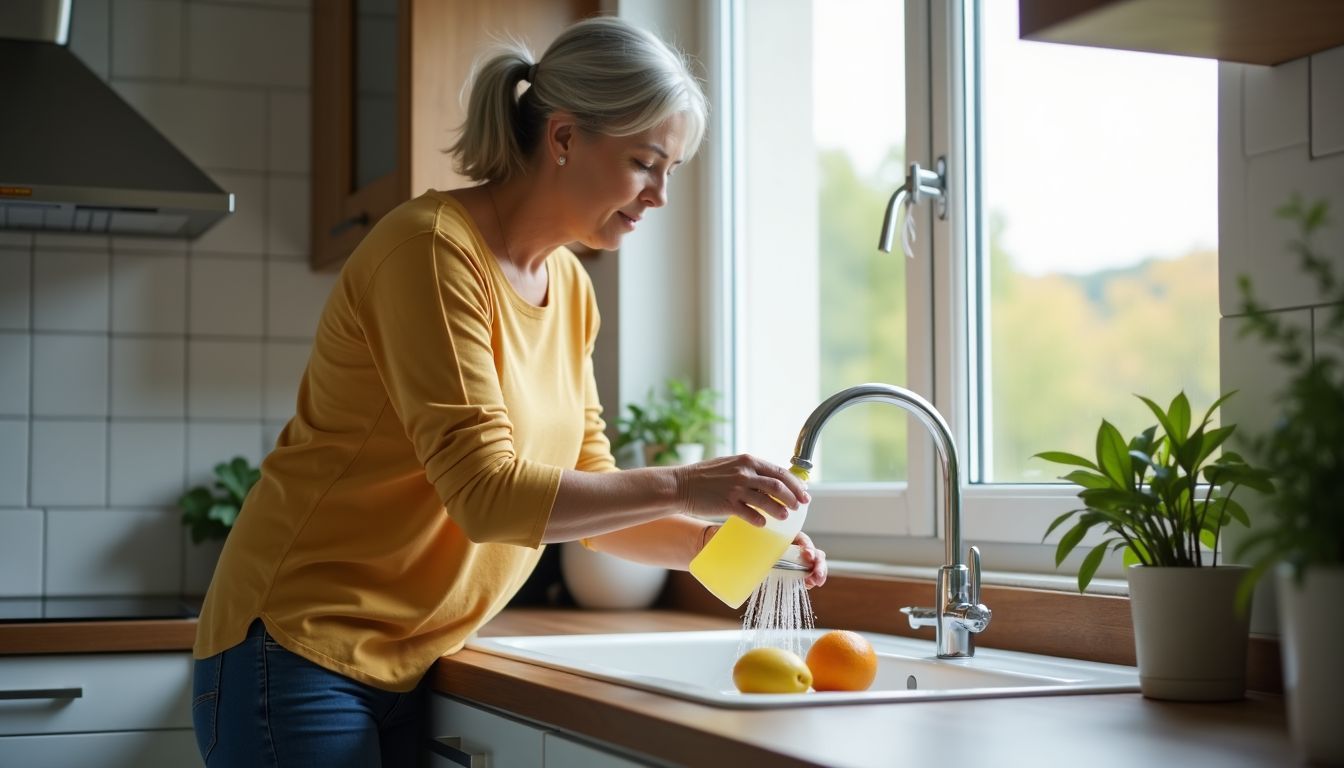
(655, 194)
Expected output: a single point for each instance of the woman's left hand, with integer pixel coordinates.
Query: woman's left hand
(813, 557)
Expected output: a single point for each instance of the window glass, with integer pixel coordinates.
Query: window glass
(811, 274)
(1098, 265)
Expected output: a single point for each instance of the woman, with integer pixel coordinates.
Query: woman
(448, 425)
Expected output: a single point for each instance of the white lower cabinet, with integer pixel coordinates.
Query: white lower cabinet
(474, 737)
(104, 710)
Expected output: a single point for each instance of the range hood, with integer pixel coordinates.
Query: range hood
(74, 156)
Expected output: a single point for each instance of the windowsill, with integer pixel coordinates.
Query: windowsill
(1058, 583)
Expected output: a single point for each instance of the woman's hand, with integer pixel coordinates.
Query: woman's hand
(741, 485)
(813, 557)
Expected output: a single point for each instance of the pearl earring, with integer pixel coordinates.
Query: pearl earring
(560, 160)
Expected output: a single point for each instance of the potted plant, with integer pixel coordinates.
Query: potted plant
(674, 427)
(209, 513)
(1303, 534)
(1145, 494)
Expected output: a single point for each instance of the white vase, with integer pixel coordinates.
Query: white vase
(1311, 634)
(1189, 637)
(603, 581)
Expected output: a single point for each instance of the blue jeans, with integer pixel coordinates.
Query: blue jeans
(257, 704)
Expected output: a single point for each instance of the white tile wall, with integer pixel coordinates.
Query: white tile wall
(129, 366)
(149, 377)
(147, 463)
(1276, 106)
(20, 552)
(70, 290)
(1279, 134)
(1327, 109)
(224, 380)
(68, 463)
(149, 41)
(251, 46)
(113, 551)
(149, 293)
(226, 297)
(14, 355)
(13, 463)
(15, 288)
(69, 375)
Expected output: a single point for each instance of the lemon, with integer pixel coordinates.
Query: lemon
(771, 670)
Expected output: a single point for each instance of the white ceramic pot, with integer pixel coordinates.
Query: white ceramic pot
(689, 453)
(1189, 637)
(1311, 635)
(599, 580)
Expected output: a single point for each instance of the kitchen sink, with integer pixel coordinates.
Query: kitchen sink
(698, 666)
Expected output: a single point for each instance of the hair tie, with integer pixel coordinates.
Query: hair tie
(531, 73)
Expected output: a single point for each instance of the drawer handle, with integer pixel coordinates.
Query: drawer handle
(24, 694)
(451, 748)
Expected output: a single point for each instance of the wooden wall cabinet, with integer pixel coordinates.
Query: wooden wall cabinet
(1244, 31)
(387, 85)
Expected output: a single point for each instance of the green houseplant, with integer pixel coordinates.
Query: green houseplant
(668, 424)
(1146, 495)
(209, 512)
(1303, 532)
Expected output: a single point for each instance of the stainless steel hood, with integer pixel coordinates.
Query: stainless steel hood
(74, 156)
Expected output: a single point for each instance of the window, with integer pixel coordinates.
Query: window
(1081, 228)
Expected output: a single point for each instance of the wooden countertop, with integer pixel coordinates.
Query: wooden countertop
(1095, 730)
(1099, 730)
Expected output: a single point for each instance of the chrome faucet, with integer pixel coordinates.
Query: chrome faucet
(959, 614)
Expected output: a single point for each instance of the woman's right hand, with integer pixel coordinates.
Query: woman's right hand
(741, 485)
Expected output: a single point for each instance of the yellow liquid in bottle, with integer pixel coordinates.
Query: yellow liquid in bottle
(739, 556)
(737, 559)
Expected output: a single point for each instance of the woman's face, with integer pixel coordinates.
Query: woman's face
(611, 181)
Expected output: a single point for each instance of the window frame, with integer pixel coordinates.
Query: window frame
(941, 283)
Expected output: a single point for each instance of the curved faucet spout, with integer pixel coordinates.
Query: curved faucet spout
(932, 421)
(958, 614)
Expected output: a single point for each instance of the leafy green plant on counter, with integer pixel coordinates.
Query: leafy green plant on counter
(210, 513)
(1305, 446)
(682, 414)
(1145, 492)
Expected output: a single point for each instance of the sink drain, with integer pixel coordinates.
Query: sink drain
(911, 683)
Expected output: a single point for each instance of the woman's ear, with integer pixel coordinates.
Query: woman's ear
(560, 130)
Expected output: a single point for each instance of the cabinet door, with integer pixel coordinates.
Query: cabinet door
(121, 749)
(501, 740)
(361, 51)
(562, 752)
(94, 692)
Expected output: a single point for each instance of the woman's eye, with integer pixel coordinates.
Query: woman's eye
(643, 166)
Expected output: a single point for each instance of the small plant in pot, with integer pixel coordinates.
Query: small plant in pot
(209, 512)
(674, 427)
(1163, 499)
(1302, 534)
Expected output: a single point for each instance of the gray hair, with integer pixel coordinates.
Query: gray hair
(614, 78)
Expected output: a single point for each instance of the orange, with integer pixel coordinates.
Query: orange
(841, 660)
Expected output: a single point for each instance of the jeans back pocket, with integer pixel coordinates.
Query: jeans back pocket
(205, 703)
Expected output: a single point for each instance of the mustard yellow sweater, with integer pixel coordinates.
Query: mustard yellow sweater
(404, 503)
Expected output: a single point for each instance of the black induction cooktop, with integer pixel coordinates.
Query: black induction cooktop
(20, 610)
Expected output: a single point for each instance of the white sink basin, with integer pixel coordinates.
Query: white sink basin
(698, 666)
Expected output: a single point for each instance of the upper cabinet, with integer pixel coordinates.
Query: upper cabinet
(1245, 31)
(388, 77)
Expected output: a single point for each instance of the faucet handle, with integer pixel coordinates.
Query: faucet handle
(975, 575)
(921, 617)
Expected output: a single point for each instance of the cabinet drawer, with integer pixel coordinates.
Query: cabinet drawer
(563, 752)
(125, 749)
(96, 692)
(503, 741)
